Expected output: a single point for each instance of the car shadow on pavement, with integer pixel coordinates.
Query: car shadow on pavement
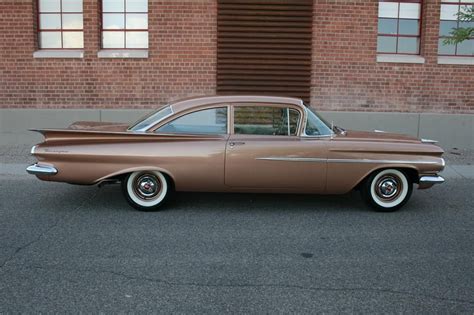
(111, 197)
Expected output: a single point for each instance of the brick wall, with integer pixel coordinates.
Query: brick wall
(347, 77)
(182, 62)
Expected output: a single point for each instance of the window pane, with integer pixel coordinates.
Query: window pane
(449, 12)
(49, 6)
(113, 39)
(410, 10)
(137, 5)
(386, 44)
(208, 121)
(113, 21)
(466, 48)
(466, 24)
(409, 27)
(445, 27)
(73, 40)
(265, 120)
(72, 5)
(112, 6)
(137, 21)
(72, 21)
(388, 26)
(465, 8)
(50, 39)
(408, 45)
(50, 21)
(446, 49)
(388, 9)
(137, 39)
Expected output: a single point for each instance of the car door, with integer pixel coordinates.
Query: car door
(193, 148)
(265, 151)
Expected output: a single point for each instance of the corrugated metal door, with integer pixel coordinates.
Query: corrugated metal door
(264, 47)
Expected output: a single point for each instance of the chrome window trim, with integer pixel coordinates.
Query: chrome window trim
(145, 129)
(304, 135)
(154, 123)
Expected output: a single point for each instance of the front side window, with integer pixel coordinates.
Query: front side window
(125, 24)
(266, 120)
(60, 24)
(399, 27)
(315, 126)
(207, 121)
(449, 21)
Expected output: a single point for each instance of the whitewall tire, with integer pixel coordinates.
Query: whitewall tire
(146, 190)
(387, 190)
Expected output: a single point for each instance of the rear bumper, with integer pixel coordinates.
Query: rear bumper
(429, 180)
(38, 169)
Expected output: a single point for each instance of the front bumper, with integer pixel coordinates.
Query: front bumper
(428, 181)
(39, 169)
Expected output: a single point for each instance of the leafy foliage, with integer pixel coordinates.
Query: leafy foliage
(461, 34)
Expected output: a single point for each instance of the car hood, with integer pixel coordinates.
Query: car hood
(98, 126)
(377, 137)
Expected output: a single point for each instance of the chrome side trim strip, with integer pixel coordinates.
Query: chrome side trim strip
(428, 141)
(310, 159)
(432, 179)
(33, 148)
(38, 169)
(292, 159)
(380, 161)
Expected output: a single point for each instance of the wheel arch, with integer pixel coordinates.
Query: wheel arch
(411, 171)
(123, 172)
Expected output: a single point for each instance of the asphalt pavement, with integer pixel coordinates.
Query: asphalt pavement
(67, 248)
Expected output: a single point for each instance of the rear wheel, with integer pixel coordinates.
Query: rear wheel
(146, 190)
(387, 190)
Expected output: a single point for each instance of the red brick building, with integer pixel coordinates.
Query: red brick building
(351, 56)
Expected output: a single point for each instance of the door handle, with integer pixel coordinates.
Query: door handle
(234, 143)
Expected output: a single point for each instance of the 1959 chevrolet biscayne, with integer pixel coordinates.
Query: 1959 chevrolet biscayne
(237, 144)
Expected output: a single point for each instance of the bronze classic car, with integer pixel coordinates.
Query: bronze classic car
(237, 144)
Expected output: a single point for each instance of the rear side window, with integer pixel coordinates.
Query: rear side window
(207, 121)
(265, 120)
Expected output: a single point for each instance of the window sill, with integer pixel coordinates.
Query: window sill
(45, 53)
(393, 58)
(123, 53)
(448, 60)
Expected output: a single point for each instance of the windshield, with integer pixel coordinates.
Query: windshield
(151, 119)
(316, 126)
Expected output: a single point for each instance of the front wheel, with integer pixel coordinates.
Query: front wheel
(387, 190)
(146, 190)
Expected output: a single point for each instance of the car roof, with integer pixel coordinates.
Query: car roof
(185, 104)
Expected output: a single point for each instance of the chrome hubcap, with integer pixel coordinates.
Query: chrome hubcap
(147, 186)
(388, 188)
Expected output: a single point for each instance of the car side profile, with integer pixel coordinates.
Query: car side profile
(237, 144)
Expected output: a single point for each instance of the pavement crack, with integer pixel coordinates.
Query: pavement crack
(256, 285)
(43, 234)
